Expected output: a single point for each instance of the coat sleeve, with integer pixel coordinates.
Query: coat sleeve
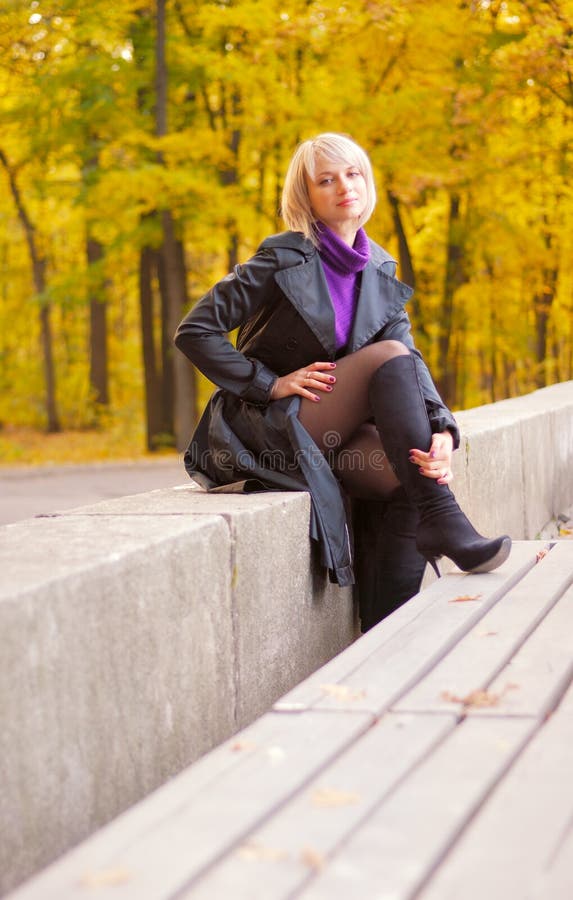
(202, 335)
(399, 329)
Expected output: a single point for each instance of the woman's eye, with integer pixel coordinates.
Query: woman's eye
(326, 181)
(353, 174)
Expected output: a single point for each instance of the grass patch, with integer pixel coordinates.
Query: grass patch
(29, 447)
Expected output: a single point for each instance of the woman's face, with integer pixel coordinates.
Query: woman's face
(337, 194)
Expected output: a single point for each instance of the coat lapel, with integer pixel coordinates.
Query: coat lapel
(381, 297)
(306, 288)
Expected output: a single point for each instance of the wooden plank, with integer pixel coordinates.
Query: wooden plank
(556, 881)
(279, 857)
(413, 615)
(478, 658)
(271, 760)
(393, 852)
(519, 834)
(399, 664)
(94, 853)
(532, 683)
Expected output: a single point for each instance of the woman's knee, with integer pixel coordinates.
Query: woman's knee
(394, 348)
(383, 351)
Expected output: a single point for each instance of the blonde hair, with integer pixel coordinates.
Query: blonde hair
(295, 204)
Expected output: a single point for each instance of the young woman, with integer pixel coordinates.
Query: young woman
(326, 392)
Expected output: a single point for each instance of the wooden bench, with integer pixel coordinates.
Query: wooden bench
(432, 759)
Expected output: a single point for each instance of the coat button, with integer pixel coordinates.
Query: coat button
(291, 344)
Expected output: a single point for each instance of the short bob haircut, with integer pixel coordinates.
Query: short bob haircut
(338, 148)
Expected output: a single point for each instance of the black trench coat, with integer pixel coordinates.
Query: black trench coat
(280, 302)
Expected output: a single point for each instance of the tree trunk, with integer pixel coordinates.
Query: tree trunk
(99, 381)
(178, 374)
(454, 278)
(542, 304)
(147, 266)
(39, 276)
(407, 273)
(182, 373)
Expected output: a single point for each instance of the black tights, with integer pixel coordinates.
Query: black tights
(339, 424)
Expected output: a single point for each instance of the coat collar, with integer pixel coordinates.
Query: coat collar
(381, 297)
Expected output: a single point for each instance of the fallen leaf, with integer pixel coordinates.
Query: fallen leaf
(254, 852)
(475, 699)
(463, 598)
(540, 554)
(565, 530)
(106, 878)
(241, 746)
(341, 692)
(312, 858)
(329, 797)
(478, 699)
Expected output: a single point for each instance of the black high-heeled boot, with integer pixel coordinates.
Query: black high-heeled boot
(402, 422)
(387, 564)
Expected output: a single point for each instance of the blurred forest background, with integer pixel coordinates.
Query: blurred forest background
(142, 152)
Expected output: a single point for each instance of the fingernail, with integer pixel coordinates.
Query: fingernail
(333, 365)
(328, 387)
(332, 379)
(433, 454)
(316, 398)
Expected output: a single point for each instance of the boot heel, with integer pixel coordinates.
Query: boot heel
(433, 560)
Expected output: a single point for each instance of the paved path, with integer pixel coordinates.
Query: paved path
(39, 490)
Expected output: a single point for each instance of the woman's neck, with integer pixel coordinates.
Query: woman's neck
(346, 232)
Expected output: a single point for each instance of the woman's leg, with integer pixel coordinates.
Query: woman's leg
(387, 564)
(402, 421)
(335, 418)
(338, 423)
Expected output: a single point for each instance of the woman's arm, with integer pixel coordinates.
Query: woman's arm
(202, 335)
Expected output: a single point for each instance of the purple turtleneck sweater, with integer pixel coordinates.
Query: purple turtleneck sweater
(341, 265)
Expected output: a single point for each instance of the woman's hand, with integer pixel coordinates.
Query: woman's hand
(316, 377)
(437, 462)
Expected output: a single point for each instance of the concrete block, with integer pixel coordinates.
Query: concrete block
(117, 670)
(288, 619)
(545, 421)
(562, 441)
(460, 465)
(494, 463)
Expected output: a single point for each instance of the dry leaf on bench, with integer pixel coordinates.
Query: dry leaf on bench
(341, 692)
(475, 699)
(106, 878)
(242, 746)
(254, 852)
(329, 797)
(540, 554)
(312, 858)
(463, 598)
(478, 699)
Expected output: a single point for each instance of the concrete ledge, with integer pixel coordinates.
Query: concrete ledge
(513, 468)
(136, 634)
